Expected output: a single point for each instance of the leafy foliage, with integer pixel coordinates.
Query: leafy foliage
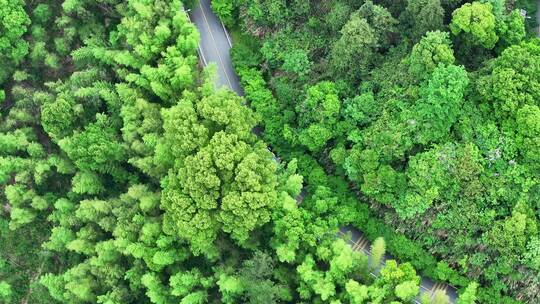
(126, 177)
(434, 131)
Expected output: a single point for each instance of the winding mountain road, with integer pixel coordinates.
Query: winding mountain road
(214, 48)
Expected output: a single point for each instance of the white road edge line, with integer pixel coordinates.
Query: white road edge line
(215, 45)
(226, 34)
(199, 50)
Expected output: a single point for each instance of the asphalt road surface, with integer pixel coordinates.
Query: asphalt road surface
(214, 48)
(360, 243)
(215, 45)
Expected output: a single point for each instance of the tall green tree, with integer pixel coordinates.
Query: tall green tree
(476, 23)
(433, 49)
(14, 25)
(426, 16)
(440, 103)
(221, 177)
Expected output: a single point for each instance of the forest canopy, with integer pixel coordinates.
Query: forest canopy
(426, 109)
(127, 176)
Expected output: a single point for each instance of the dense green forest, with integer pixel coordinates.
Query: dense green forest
(127, 177)
(428, 109)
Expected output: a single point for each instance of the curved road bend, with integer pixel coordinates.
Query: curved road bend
(214, 48)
